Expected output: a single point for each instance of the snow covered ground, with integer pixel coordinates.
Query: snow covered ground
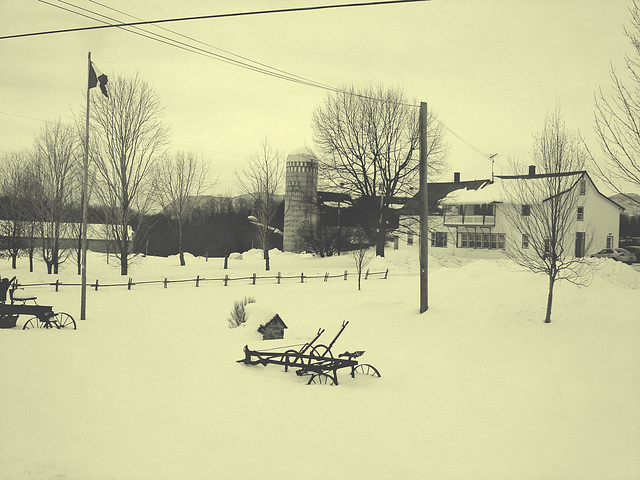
(478, 387)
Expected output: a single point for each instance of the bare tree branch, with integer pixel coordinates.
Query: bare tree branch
(368, 141)
(129, 137)
(543, 209)
(262, 179)
(179, 180)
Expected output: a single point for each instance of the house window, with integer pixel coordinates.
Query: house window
(547, 246)
(609, 241)
(525, 240)
(463, 240)
(583, 187)
(484, 209)
(479, 240)
(452, 209)
(410, 239)
(526, 210)
(580, 214)
(438, 239)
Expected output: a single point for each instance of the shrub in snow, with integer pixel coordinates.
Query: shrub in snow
(238, 314)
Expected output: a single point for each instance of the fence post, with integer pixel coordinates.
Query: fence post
(254, 279)
(326, 276)
(345, 274)
(279, 277)
(226, 280)
(129, 283)
(96, 285)
(366, 275)
(302, 277)
(198, 281)
(165, 282)
(57, 284)
(386, 273)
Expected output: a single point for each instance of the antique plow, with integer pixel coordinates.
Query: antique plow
(314, 360)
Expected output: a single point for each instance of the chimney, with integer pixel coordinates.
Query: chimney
(456, 177)
(532, 170)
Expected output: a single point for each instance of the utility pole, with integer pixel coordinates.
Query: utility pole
(424, 212)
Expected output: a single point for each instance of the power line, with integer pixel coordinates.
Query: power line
(260, 68)
(206, 17)
(23, 116)
(257, 67)
(205, 43)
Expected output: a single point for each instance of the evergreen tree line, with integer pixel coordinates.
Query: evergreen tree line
(217, 227)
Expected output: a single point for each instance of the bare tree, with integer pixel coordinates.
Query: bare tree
(129, 135)
(543, 208)
(14, 179)
(617, 121)
(262, 179)
(56, 158)
(362, 254)
(369, 144)
(179, 180)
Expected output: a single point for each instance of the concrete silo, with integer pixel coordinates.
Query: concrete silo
(300, 200)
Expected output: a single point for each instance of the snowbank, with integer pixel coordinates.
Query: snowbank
(478, 387)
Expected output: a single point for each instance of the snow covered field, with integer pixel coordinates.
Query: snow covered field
(476, 388)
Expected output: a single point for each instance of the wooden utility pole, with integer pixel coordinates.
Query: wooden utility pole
(424, 213)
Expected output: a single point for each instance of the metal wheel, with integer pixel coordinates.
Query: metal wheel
(366, 369)
(64, 320)
(35, 322)
(321, 379)
(321, 351)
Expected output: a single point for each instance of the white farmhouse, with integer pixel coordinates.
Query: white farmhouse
(479, 222)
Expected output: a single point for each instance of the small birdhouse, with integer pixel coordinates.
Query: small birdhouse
(273, 329)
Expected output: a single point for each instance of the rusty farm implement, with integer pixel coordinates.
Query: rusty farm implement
(40, 316)
(314, 360)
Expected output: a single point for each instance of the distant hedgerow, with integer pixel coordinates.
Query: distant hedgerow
(238, 315)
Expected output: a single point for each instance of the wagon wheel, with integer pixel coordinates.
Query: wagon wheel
(321, 351)
(64, 320)
(35, 322)
(366, 369)
(321, 379)
(290, 358)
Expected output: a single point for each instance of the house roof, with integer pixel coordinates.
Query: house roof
(529, 188)
(71, 230)
(275, 321)
(334, 197)
(437, 191)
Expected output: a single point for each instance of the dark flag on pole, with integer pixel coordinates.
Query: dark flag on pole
(96, 76)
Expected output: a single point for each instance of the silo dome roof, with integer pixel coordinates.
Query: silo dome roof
(302, 154)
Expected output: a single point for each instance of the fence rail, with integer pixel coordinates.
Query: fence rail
(253, 279)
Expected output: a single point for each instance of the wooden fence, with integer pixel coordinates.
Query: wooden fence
(253, 279)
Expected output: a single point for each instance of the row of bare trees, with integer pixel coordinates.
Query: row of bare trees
(39, 189)
(130, 171)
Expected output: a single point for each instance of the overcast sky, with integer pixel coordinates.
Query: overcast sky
(492, 70)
